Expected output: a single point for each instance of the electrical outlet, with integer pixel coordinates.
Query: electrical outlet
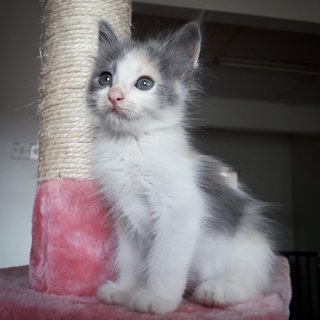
(20, 150)
(34, 150)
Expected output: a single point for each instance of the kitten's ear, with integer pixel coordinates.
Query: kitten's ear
(106, 34)
(188, 38)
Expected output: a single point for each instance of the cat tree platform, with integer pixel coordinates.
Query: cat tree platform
(18, 301)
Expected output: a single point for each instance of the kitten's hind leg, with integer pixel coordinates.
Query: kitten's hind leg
(233, 269)
(128, 263)
(220, 292)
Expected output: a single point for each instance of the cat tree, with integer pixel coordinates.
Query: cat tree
(70, 234)
(72, 241)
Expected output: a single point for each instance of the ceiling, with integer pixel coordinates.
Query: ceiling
(248, 62)
(263, 64)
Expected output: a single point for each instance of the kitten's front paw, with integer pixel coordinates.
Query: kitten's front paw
(145, 301)
(112, 293)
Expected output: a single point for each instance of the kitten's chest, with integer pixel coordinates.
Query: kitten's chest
(143, 179)
(134, 169)
(127, 171)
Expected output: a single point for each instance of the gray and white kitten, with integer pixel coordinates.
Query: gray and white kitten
(178, 219)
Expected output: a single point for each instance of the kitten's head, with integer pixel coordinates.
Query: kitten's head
(142, 86)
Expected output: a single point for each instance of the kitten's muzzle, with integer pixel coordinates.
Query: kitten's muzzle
(115, 95)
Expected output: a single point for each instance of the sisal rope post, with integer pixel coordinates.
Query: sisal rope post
(68, 49)
(71, 242)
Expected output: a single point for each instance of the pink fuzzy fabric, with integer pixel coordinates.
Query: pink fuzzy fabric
(18, 301)
(71, 239)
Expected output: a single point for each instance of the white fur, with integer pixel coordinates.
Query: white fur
(153, 168)
(148, 175)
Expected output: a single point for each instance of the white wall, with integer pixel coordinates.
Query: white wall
(17, 189)
(19, 65)
(257, 115)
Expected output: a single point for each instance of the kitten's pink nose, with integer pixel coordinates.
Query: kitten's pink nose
(115, 95)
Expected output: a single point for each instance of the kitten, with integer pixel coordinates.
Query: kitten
(178, 220)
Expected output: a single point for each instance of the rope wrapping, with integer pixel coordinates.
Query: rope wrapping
(69, 44)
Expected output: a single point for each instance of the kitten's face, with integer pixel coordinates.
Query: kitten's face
(139, 87)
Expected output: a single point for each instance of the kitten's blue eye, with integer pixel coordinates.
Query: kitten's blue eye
(144, 83)
(105, 79)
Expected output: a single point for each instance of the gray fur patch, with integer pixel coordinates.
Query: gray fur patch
(230, 209)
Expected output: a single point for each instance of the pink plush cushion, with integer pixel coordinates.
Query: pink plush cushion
(72, 242)
(19, 301)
